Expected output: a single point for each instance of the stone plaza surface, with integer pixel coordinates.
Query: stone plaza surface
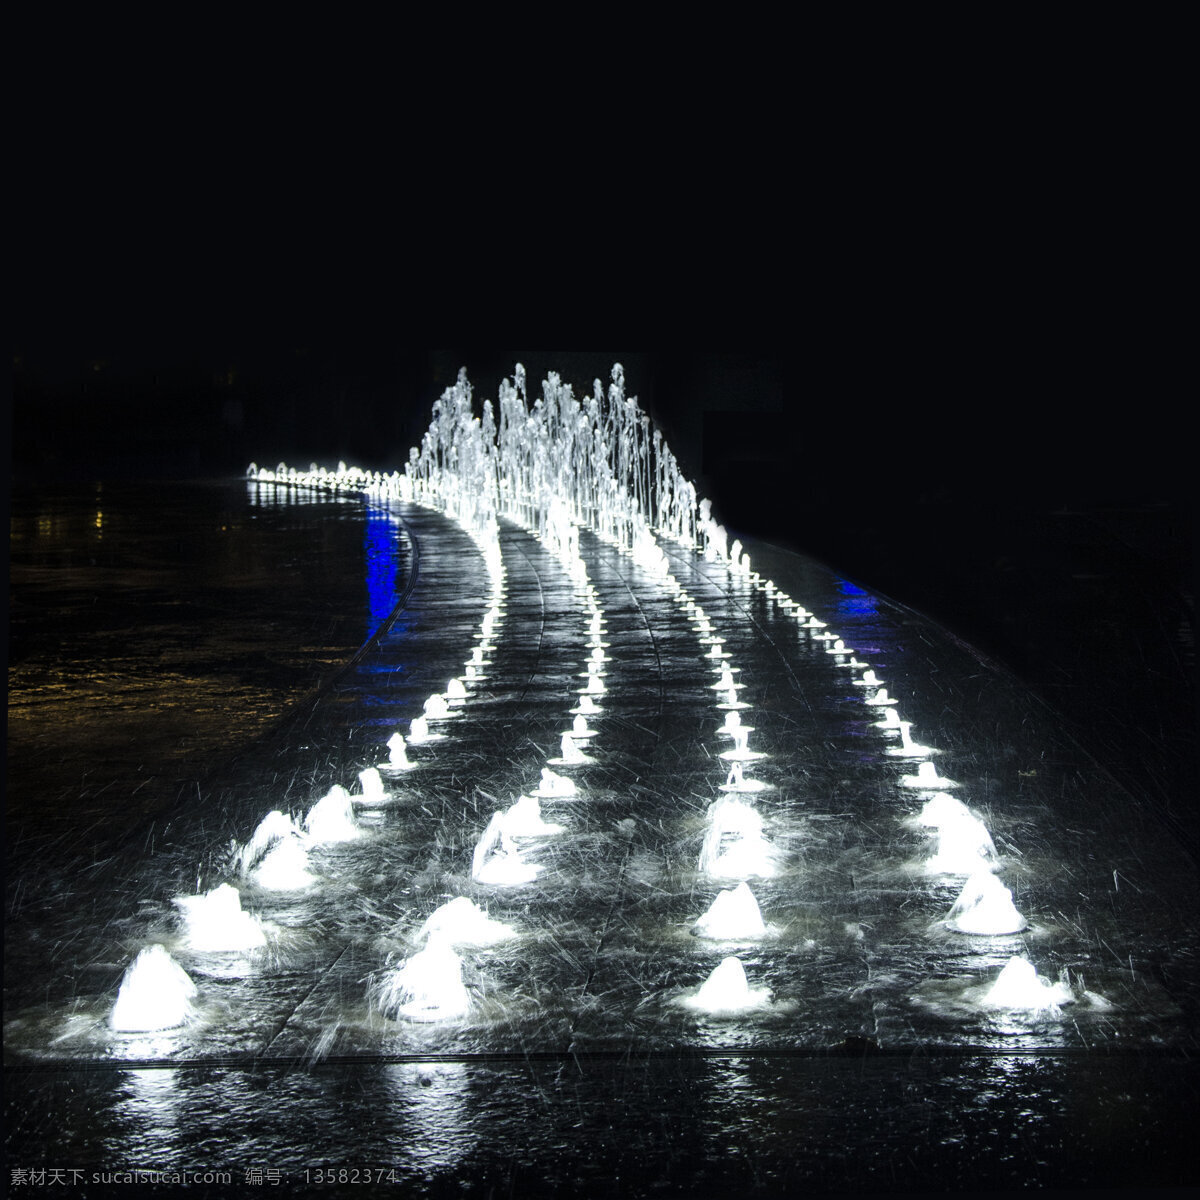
(871, 1067)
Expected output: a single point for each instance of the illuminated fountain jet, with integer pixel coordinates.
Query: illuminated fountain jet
(476, 667)
(273, 827)
(891, 721)
(331, 819)
(908, 748)
(733, 916)
(428, 987)
(276, 856)
(851, 663)
(284, 868)
(731, 701)
(436, 709)
(726, 683)
(155, 993)
(869, 679)
(586, 706)
(461, 923)
(880, 699)
(456, 693)
(524, 819)
(964, 847)
(595, 685)
(580, 730)
(733, 724)
(741, 752)
(717, 651)
(595, 664)
(727, 991)
(942, 809)
(1019, 987)
(397, 755)
(555, 787)
(839, 647)
(497, 860)
(736, 781)
(419, 732)
(985, 906)
(571, 755)
(734, 846)
(215, 922)
(927, 778)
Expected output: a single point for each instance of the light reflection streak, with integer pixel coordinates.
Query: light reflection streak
(433, 1128)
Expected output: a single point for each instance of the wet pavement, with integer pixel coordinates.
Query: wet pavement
(577, 1067)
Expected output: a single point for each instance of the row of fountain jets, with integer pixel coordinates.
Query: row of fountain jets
(460, 457)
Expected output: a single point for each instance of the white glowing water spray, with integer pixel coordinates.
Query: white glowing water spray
(216, 922)
(156, 993)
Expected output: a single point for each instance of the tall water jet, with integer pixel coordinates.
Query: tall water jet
(985, 906)
(155, 993)
(733, 916)
(215, 922)
(428, 987)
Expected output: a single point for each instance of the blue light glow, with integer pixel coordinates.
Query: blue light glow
(379, 553)
(857, 603)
